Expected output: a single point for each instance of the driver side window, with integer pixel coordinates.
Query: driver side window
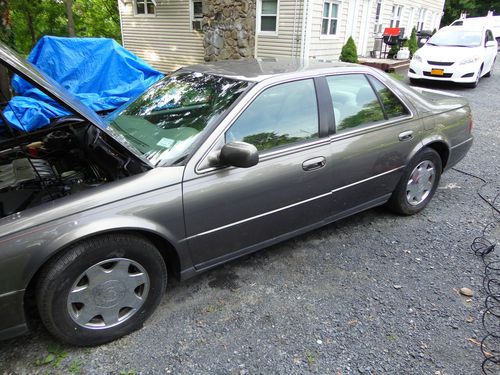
(281, 115)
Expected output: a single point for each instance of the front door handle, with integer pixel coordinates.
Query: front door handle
(313, 164)
(406, 136)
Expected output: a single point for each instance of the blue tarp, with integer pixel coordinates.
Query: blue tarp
(98, 71)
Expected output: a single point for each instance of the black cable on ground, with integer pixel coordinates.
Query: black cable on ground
(484, 247)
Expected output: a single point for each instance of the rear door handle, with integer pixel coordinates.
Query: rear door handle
(313, 164)
(406, 136)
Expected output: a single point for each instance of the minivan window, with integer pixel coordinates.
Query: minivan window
(354, 102)
(392, 105)
(281, 115)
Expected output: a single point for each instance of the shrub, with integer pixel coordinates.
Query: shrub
(349, 51)
(412, 43)
(393, 51)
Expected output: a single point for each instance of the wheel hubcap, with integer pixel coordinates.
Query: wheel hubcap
(108, 293)
(421, 181)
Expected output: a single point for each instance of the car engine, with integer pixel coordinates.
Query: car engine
(41, 171)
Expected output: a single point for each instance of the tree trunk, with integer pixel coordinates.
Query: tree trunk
(69, 14)
(31, 27)
(6, 36)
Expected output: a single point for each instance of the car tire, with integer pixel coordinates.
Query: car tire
(413, 193)
(87, 295)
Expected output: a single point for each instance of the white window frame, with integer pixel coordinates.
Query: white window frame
(397, 12)
(378, 20)
(330, 18)
(192, 16)
(145, 14)
(421, 19)
(259, 17)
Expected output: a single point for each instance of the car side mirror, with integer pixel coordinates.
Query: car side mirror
(490, 43)
(239, 154)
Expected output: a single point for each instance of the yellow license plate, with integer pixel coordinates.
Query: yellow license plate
(437, 72)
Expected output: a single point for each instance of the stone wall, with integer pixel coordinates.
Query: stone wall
(229, 29)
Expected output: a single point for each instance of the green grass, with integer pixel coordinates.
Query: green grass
(398, 76)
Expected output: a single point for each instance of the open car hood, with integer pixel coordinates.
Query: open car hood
(30, 73)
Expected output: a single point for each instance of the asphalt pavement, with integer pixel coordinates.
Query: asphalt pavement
(372, 294)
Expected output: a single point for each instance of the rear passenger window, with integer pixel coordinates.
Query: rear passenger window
(354, 102)
(392, 105)
(281, 115)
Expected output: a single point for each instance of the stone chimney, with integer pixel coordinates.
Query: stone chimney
(229, 29)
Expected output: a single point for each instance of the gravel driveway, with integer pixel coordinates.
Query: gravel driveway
(371, 294)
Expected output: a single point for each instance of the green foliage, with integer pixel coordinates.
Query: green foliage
(32, 19)
(412, 42)
(393, 51)
(474, 8)
(55, 357)
(349, 51)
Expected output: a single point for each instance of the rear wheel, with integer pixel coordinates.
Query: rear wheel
(101, 289)
(418, 183)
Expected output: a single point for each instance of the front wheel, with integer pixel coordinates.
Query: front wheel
(418, 183)
(101, 289)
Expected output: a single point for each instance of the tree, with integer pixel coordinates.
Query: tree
(31, 19)
(349, 51)
(69, 15)
(412, 42)
(473, 8)
(5, 28)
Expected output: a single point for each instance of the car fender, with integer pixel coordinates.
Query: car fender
(435, 138)
(41, 245)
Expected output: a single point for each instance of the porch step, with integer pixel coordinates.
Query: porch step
(387, 65)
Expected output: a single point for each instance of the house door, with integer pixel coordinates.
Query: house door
(364, 27)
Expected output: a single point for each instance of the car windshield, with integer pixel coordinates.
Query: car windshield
(164, 122)
(455, 38)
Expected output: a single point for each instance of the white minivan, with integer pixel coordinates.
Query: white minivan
(490, 22)
(461, 54)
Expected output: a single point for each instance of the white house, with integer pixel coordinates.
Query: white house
(173, 33)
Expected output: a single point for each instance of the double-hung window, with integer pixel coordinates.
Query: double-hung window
(330, 18)
(397, 10)
(378, 11)
(196, 14)
(421, 19)
(145, 7)
(268, 16)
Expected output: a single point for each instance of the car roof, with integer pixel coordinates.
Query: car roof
(469, 27)
(259, 69)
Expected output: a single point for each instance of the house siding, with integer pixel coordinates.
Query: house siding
(164, 40)
(287, 41)
(328, 48)
(167, 42)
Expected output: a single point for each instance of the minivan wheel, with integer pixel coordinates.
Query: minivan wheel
(101, 288)
(418, 184)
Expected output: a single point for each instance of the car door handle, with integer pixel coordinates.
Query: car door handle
(313, 164)
(406, 136)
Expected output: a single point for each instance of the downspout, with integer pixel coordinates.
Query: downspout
(121, 22)
(306, 30)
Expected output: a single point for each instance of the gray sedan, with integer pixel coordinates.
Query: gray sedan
(211, 163)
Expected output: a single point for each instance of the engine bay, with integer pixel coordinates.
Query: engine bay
(56, 163)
